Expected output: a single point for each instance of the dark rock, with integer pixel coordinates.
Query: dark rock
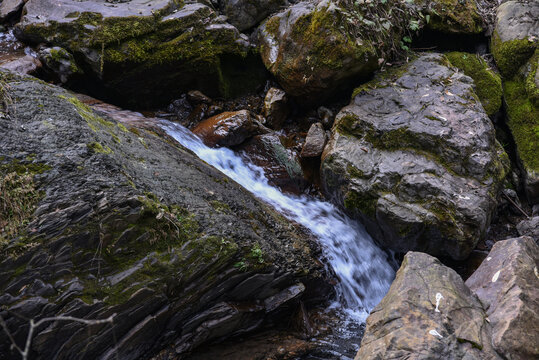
(281, 166)
(106, 200)
(326, 117)
(196, 97)
(314, 142)
(428, 313)
(9, 8)
(275, 108)
(182, 108)
(507, 285)
(414, 156)
(229, 128)
(245, 14)
(60, 62)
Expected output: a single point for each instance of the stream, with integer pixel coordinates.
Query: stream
(363, 270)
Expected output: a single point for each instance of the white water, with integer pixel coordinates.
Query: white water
(362, 268)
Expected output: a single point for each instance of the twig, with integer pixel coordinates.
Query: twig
(33, 325)
(515, 205)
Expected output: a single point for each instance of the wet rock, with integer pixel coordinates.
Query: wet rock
(229, 128)
(280, 164)
(245, 14)
(507, 285)
(60, 63)
(24, 65)
(275, 108)
(9, 8)
(143, 53)
(428, 313)
(182, 108)
(314, 142)
(124, 222)
(415, 158)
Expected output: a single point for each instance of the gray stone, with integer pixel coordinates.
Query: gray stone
(529, 227)
(24, 65)
(414, 157)
(428, 313)
(245, 14)
(507, 283)
(9, 8)
(314, 142)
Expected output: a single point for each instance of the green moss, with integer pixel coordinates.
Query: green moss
(530, 83)
(511, 55)
(272, 26)
(220, 206)
(98, 148)
(20, 196)
(453, 16)
(488, 85)
(523, 121)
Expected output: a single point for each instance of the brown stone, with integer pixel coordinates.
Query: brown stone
(507, 283)
(275, 108)
(228, 128)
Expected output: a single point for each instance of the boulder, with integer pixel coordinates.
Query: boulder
(414, 157)
(245, 14)
(529, 227)
(516, 35)
(229, 128)
(23, 65)
(97, 219)
(275, 108)
(488, 84)
(507, 283)
(280, 165)
(308, 50)
(428, 313)
(145, 52)
(314, 142)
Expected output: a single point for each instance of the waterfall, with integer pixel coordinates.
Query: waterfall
(362, 268)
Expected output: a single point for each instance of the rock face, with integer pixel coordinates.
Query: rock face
(507, 283)
(245, 14)
(229, 128)
(100, 220)
(529, 227)
(515, 48)
(415, 158)
(60, 63)
(428, 313)
(9, 8)
(144, 51)
(314, 142)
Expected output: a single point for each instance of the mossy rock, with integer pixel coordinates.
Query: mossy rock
(488, 84)
(521, 96)
(452, 16)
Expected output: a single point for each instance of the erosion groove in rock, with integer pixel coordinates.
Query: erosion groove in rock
(128, 223)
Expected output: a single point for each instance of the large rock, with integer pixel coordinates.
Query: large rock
(145, 51)
(245, 14)
(428, 313)
(516, 35)
(10, 8)
(96, 219)
(308, 50)
(507, 283)
(229, 128)
(414, 157)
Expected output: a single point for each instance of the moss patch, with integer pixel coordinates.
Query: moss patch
(452, 16)
(488, 85)
(511, 55)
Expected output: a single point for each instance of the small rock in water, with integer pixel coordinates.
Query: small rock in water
(315, 141)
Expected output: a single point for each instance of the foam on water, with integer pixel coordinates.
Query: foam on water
(363, 270)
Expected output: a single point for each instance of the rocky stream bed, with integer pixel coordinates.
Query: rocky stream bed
(269, 179)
